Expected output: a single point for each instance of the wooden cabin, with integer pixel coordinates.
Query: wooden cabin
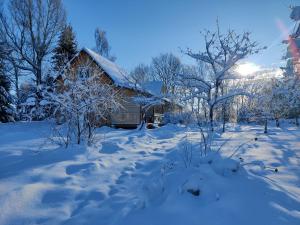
(131, 113)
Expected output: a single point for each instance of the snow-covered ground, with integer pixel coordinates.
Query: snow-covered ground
(145, 177)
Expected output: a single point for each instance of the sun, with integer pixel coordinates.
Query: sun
(247, 68)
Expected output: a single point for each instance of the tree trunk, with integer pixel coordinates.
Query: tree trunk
(224, 123)
(38, 73)
(266, 126)
(16, 74)
(297, 121)
(78, 130)
(198, 105)
(223, 110)
(205, 143)
(38, 76)
(38, 94)
(90, 135)
(224, 117)
(277, 122)
(211, 118)
(237, 111)
(143, 121)
(205, 113)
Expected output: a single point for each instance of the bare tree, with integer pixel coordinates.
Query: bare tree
(221, 54)
(102, 44)
(140, 74)
(166, 68)
(30, 28)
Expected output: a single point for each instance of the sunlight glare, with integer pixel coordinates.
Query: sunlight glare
(248, 68)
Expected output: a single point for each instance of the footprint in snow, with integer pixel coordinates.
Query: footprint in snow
(138, 165)
(142, 152)
(56, 197)
(109, 148)
(113, 191)
(158, 154)
(78, 168)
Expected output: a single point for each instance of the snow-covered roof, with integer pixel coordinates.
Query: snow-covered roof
(154, 88)
(118, 75)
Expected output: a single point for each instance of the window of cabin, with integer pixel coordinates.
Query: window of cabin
(83, 72)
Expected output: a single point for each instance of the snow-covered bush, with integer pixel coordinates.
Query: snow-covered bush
(85, 103)
(37, 105)
(186, 153)
(292, 92)
(178, 118)
(269, 100)
(244, 114)
(225, 166)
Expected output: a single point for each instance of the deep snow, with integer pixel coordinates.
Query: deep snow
(140, 177)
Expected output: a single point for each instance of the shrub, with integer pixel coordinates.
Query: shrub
(181, 118)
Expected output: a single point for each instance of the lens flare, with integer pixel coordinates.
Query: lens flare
(292, 45)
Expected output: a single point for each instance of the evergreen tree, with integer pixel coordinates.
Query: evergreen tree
(65, 50)
(6, 109)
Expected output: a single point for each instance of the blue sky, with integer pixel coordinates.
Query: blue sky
(141, 29)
